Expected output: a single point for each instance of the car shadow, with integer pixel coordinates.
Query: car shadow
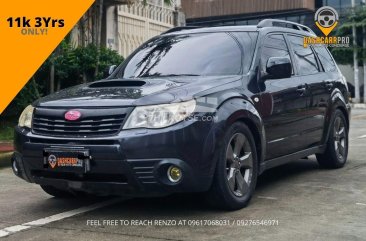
(190, 203)
(185, 204)
(287, 171)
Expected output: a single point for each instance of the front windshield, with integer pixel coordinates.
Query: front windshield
(203, 54)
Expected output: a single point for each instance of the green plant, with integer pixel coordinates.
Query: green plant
(6, 131)
(86, 58)
(107, 58)
(345, 55)
(65, 61)
(72, 66)
(28, 94)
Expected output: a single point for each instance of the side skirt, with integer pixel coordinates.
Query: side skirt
(268, 164)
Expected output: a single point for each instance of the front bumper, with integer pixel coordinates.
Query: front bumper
(133, 163)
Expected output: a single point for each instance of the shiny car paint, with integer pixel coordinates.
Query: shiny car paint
(286, 124)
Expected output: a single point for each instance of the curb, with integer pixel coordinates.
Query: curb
(6, 147)
(358, 106)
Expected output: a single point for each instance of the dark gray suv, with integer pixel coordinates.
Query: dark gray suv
(192, 110)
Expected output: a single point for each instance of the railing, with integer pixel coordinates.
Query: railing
(138, 22)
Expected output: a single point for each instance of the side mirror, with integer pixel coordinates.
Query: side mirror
(109, 70)
(278, 68)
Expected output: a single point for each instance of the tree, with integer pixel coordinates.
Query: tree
(87, 62)
(345, 55)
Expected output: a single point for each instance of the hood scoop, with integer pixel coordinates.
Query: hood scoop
(117, 83)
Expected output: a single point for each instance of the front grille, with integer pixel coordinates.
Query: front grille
(144, 170)
(54, 124)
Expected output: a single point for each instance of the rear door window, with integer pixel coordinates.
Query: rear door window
(304, 57)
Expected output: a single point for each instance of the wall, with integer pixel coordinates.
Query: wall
(209, 8)
(347, 71)
(138, 23)
(126, 27)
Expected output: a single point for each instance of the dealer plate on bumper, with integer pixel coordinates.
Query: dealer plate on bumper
(66, 160)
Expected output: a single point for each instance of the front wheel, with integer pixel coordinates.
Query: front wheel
(236, 169)
(335, 155)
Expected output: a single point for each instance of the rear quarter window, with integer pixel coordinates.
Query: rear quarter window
(325, 58)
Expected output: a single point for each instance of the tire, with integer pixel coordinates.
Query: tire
(336, 152)
(58, 193)
(230, 191)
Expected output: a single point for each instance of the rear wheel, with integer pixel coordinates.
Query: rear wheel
(56, 192)
(236, 170)
(335, 155)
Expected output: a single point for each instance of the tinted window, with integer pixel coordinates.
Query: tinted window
(248, 40)
(274, 46)
(304, 57)
(192, 54)
(325, 58)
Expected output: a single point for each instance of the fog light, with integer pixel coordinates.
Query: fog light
(174, 174)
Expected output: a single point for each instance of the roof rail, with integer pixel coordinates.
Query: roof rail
(177, 29)
(284, 24)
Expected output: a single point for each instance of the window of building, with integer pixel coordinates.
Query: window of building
(253, 21)
(304, 57)
(293, 19)
(334, 4)
(346, 4)
(241, 22)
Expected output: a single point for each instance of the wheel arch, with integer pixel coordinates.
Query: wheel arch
(242, 110)
(337, 102)
(256, 135)
(346, 115)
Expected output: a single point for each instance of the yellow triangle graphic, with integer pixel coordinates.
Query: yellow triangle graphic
(326, 31)
(22, 54)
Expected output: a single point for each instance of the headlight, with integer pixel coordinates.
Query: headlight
(159, 116)
(25, 119)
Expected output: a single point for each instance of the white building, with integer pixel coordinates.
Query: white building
(126, 24)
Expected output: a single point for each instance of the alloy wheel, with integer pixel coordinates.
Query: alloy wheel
(340, 140)
(239, 164)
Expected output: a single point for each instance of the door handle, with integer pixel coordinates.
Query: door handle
(302, 89)
(329, 85)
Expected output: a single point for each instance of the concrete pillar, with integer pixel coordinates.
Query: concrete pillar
(111, 27)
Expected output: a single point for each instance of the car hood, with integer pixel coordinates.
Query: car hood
(134, 92)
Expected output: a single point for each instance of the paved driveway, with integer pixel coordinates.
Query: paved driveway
(301, 202)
